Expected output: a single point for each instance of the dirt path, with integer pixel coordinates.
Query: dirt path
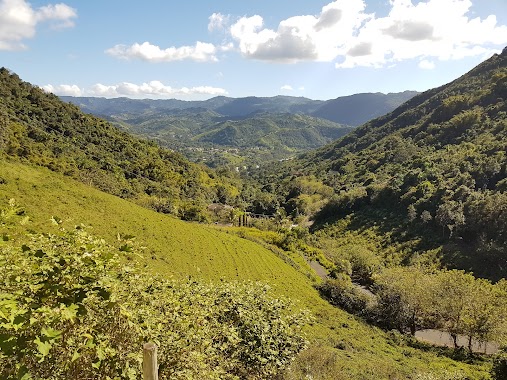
(442, 338)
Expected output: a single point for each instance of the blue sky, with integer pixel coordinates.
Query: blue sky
(198, 49)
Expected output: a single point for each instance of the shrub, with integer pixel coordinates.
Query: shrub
(499, 370)
(341, 292)
(70, 308)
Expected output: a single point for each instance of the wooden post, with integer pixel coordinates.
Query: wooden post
(150, 366)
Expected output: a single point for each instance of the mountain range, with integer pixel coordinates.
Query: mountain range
(262, 129)
(423, 183)
(351, 110)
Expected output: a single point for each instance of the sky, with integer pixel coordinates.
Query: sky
(198, 49)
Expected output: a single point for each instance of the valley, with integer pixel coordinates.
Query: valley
(100, 216)
(243, 132)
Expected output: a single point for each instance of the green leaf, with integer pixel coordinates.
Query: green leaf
(76, 355)
(42, 347)
(51, 333)
(56, 220)
(126, 248)
(24, 374)
(70, 312)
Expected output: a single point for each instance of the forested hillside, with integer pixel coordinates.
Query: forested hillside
(357, 109)
(59, 280)
(265, 129)
(206, 136)
(39, 128)
(434, 172)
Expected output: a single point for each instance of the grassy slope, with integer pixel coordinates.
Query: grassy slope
(181, 249)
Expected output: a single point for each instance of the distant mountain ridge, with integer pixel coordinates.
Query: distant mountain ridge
(350, 110)
(370, 106)
(265, 128)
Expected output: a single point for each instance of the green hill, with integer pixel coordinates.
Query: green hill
(432, 174)
(357, 109)
(341, 345)
(275, 131)
(264, 128)
(39, 128)
(206, 136)
(350, 110)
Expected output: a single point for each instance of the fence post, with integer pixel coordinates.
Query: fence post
(150, 366)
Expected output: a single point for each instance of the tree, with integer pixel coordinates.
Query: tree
(407, 296)
(472, 307)
(450, 214)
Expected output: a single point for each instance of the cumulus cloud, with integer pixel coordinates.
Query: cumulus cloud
(201, 52)
(345, 33)
(154, 89)
(328, 18)
(300, 38)
(427, 30)
(287, 87)
(218, 21)
(410, 30)
(19, 21)
(63, 89)
(427, 65)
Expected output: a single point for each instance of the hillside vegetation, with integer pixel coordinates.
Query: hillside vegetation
(265, 129)
(205, 136)
(340, 345)
(39, 128)
(350, 110)
(429, 177)
(189, 286)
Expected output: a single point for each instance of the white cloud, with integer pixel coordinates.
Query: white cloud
(154, 89)
(432, 29)
(63, 89)
(345, 33)
(201, 52)
(153, 53)
(18, 21)
(59, 12)
(301, 38)
(286, 87)
(218, 21)
(427, 65)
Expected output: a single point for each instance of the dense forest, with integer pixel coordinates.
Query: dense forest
(244, 132)
(432, 173)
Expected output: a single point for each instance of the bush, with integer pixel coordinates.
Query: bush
(341, 292)
(70, 309)
(499, 370)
